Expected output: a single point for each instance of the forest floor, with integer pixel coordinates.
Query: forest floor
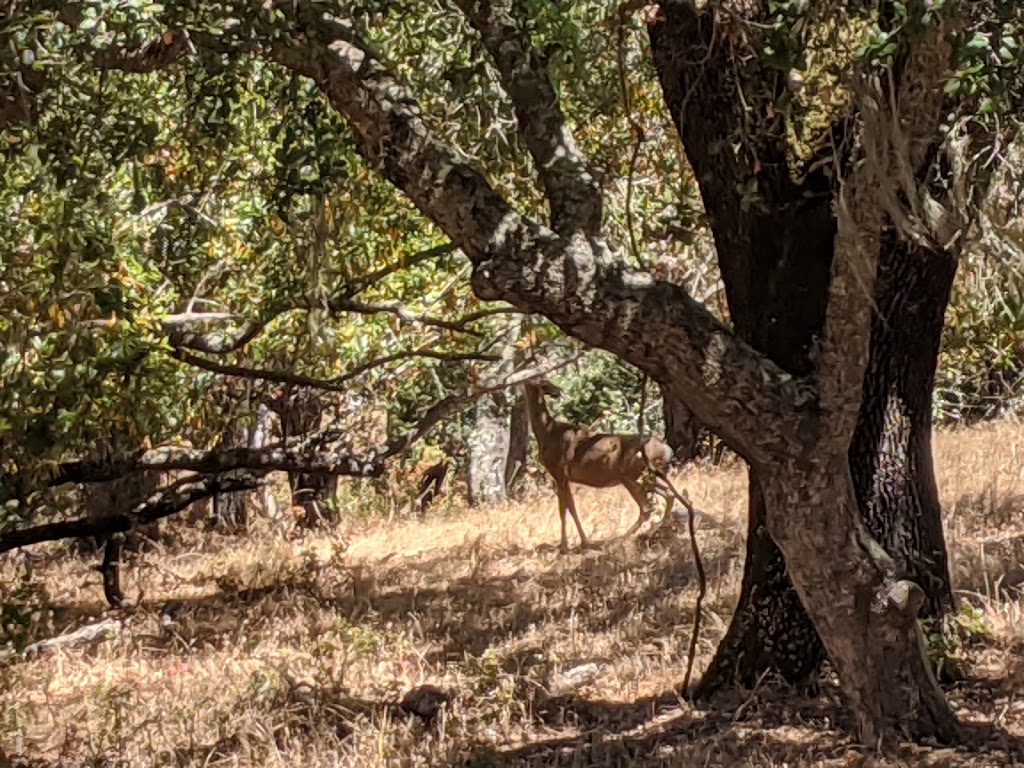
(294, 649)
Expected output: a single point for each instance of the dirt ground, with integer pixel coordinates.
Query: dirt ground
(288, 649)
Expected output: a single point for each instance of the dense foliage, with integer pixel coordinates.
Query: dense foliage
(137, 197)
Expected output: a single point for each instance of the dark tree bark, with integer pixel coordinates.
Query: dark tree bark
(102, 500)
(164, 503)
(431, 483)
(111, 570)
(682, 429)
(775, 257)
(891, 453)
(775, 253)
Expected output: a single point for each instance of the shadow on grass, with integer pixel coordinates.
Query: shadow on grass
(459, 616)
(779, 729)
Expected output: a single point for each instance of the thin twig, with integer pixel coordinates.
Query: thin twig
(702, 582)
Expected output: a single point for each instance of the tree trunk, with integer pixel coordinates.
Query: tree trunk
(488, 450)
(775, 255)
(231, 511)
(891, 452)
(865, 613)
(518, 446)
(300, 413)
(681, 428)
(111, 570)
(490, 444)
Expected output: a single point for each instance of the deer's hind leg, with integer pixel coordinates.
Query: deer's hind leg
(642, 501)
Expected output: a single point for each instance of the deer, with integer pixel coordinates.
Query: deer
(574, 454)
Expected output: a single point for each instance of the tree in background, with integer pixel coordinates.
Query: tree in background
(885, 167)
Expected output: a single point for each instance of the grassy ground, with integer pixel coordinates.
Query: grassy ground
(286, 650)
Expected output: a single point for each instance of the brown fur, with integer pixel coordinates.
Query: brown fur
(573, 454)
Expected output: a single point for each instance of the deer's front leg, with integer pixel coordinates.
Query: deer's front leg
(563, 547)
(571, 502)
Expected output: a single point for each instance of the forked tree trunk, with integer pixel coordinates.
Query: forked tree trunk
(775, 255)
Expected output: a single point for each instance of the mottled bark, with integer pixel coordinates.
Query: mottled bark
(865, 613)
(488, 450)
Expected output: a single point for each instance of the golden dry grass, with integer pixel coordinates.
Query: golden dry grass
(295, 651)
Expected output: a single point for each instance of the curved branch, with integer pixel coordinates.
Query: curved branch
(577, 283)
(574, 196)
(360, 284)
(401, 311)
(181, 336)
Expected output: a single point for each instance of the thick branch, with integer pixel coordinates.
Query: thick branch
(576, 283)
(296, 455)
(160, 505)
(573, 194)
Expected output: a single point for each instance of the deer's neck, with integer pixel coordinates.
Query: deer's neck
(541, 419)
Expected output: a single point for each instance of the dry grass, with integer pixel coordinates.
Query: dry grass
(286, 651)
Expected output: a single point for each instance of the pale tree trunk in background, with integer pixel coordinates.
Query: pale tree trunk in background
(490, 442)
(232, 512)
(300, 412)
(518, 446)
